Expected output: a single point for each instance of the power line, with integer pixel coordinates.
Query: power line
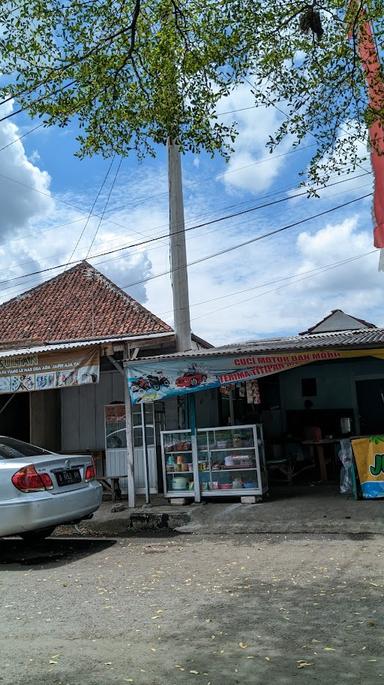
(207, 223)
(294, 279)
(248, 242)
(106, 204)
(16, 140)
(64, 67)
(273, 282)
(104, 261)
(42, 97)
(91, 210)
(189, 228)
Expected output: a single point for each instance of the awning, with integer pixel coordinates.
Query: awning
(175, 375)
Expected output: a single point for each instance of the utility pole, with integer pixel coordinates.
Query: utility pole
(178, 252)
(179, 280)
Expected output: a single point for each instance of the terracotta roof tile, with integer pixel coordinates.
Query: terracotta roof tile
(78, 304)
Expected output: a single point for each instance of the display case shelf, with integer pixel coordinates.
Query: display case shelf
(217, 478)
(236, 468)
(227, 449)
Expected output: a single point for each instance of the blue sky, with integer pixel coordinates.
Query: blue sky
(274, 287)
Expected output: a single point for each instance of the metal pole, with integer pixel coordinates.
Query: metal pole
(195, 456)
(145, 455)
(130, 449)
(178, 252)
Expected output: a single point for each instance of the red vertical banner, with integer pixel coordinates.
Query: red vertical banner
(370, 61)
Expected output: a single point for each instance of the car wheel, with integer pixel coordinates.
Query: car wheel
(37, 535)
(193, 382)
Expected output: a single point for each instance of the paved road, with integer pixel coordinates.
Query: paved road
(192, 610)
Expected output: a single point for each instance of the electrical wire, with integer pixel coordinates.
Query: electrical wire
(42, 97)
(112, 259)
(247, 242)
(91, 211)
(233, 293)
(294, 279)
(16, 140)
(64, 67)
(106, 205)
(188, 229)
(207, 223)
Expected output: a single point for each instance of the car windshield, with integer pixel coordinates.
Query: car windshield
(14, 449)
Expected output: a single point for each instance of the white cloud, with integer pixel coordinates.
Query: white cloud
(250, 167)
(272, 307)
(20, 178)
(352, 180)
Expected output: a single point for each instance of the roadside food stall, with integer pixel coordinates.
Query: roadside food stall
(231, 460)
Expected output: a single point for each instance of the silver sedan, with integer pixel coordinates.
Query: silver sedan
(40, 490)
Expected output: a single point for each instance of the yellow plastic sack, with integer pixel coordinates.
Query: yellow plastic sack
(369, 458)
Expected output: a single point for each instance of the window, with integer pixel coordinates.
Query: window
(14, 449)
(308, 387)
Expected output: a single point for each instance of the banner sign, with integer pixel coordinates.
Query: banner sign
(149, 381)
(369, 458)
(49, 370)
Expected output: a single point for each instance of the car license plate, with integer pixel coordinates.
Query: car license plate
(68, 477)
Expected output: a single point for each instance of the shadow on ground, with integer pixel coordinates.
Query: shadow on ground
(49, 553)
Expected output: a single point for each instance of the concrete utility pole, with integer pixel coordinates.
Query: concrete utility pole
(178, 252)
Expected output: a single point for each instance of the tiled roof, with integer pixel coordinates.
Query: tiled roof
(78, 304)
(357, 339)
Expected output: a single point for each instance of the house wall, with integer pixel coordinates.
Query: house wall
(82, 411)
(207, 411)
(336, 385)
(45, 419)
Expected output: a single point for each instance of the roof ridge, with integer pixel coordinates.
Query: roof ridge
(119, 291)
(28, 292)
(64, 306)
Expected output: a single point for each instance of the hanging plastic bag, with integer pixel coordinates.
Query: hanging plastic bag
(346, 458)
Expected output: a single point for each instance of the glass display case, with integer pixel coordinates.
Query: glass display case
(176, 451)
(229, 461)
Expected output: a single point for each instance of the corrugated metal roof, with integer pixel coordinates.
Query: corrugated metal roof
(361, 338)
(34, 349)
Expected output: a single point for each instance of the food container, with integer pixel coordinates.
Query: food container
(228, 461)
(236, 484)
(180, 459)
(214, 485)
(237, 441)
(250, 485)
(225, 486)
(180, 483)
(184, 467)
(190, 466)
(242, 461)
(222, 444)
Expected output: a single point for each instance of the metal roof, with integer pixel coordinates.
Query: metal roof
(361, 338)
(33, 349)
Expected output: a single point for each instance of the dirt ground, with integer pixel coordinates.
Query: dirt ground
(193, 610)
